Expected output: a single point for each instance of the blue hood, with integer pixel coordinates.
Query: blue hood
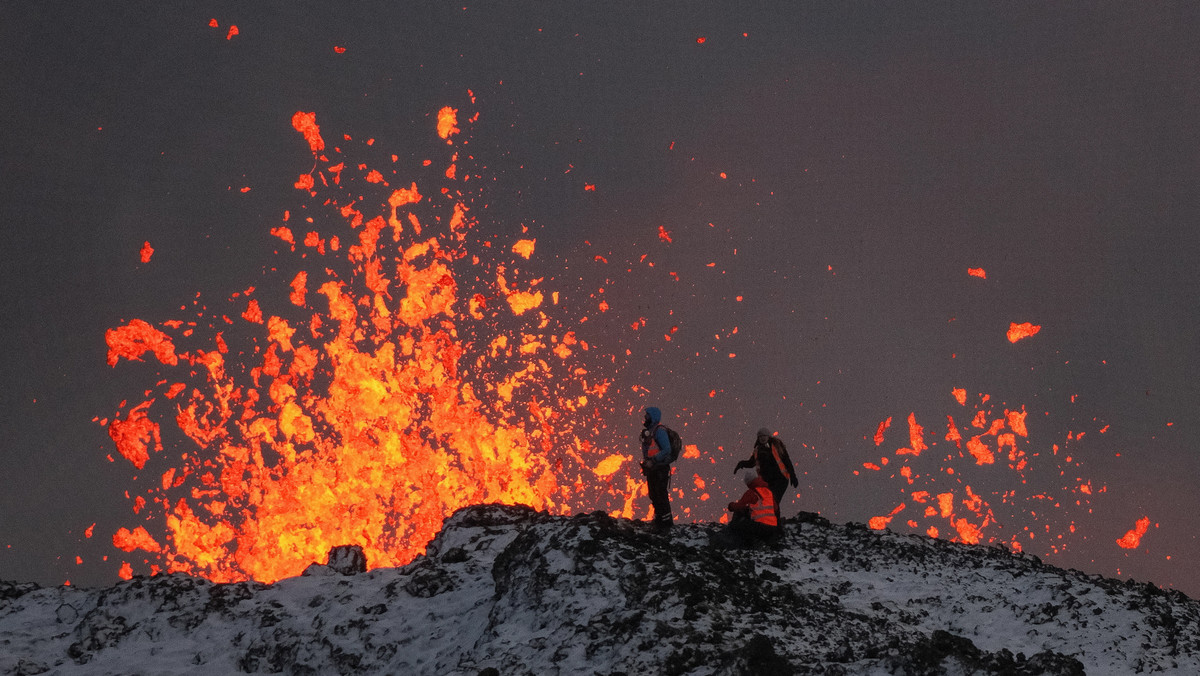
(653, 415)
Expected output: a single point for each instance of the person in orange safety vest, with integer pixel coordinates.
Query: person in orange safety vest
(770, 458)
(754, 517)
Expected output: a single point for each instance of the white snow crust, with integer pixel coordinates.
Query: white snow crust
(523, 592)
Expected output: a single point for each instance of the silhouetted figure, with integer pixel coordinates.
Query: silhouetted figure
(656, 466)
(770, 459)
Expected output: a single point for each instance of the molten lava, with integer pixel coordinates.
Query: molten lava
(1133, 538)
(993, 448)
(403, 365)
(1021, 331)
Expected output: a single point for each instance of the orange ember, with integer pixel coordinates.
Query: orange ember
(945, 505)
(916, 434)
(952, 433)
(1133, 538)
(982, 454)
(881, 522)
(997, 452)
(524, 248)
(1021, 331)
(138, 538)
(386, 384)
(881, 429)
(968, 532)
(977, 272)
(447, 121)
(134, 434)
(136, 339)
(610, 465)
(306, 123)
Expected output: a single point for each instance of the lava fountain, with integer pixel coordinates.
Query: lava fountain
(404, 364)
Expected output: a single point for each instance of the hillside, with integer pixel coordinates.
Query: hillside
(506, 590)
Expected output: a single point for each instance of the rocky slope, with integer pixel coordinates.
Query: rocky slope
(506, 590)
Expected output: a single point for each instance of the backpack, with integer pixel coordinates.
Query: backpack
(676, 443)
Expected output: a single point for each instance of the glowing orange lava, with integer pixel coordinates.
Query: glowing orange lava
(403, 365)
(881, 429)
(447, 121)
(306, 123)
(1021, 331)
(881, 522)
(997, 452)
(138, 538)
(1133, 538)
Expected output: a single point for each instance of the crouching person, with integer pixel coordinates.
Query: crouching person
(753, 518)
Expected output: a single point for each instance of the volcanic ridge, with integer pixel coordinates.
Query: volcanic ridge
(506, 590)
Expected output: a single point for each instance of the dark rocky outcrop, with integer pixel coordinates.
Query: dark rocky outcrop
(508, 590)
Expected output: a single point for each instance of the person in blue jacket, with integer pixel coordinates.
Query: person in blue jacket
(656, 466)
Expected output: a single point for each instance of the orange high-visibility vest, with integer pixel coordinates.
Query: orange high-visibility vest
(778, 460)
(763, 511)
(652, 448)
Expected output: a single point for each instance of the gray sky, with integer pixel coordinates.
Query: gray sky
(871, 155)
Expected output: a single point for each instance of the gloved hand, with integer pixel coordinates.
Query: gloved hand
(647, 464)
(795, 482)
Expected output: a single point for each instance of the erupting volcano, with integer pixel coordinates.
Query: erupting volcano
(279, 280)
(397, 364)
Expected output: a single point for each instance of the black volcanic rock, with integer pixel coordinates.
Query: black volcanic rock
(342, 560)
(508, 590)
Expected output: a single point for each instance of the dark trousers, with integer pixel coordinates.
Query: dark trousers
(658, 480)
(778, 486)
(744, 532)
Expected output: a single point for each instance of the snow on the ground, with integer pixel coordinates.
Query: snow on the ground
(521, 592)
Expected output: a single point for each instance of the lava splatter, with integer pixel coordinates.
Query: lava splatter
(397, 367)
(989, 446)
